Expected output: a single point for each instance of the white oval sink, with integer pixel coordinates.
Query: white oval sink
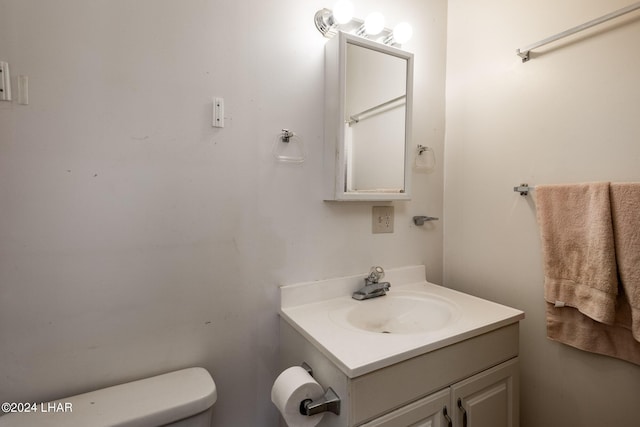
(398, 313)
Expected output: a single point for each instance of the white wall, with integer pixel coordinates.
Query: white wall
(134, 237)
(568, 115)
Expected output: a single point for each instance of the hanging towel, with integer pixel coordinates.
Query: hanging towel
(578, 248)
(625, 214)
(568, 326)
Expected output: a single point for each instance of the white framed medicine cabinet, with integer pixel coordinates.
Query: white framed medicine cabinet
(367, 119)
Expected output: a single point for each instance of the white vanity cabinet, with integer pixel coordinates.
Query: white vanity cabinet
(488, 399)
(481, 373)
(465, 350)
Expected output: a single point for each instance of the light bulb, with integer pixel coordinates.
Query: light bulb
(402, 32)
(374, 23)
(343, 11)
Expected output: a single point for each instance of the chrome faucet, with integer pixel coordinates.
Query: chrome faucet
(372, 287)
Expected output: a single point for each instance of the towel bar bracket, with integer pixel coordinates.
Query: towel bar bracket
(523, 189)
(524, 55)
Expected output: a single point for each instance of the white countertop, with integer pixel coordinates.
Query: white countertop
(307, 307)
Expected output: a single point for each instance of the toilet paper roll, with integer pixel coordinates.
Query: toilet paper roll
(291, 387)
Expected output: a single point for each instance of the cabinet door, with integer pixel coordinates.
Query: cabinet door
(426, 412)
(488, 399)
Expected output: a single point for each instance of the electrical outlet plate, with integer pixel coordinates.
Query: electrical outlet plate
(382, 219)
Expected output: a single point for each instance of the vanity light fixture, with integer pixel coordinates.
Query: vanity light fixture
(343, 11)
(401, 33)
(374, 23)
(328, 22)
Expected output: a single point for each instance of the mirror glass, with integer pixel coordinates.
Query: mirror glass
(375, 120)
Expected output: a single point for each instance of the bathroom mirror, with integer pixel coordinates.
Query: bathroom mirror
(368, 109)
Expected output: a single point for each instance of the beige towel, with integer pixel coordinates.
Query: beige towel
(568, 326)
(625, 213)
(578, 248)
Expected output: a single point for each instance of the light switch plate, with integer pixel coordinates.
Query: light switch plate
(382, 219)
(5, 82)
(218, 112)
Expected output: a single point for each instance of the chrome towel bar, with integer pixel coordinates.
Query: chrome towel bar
(524, 52)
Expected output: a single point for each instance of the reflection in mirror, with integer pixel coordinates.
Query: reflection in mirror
(368, 99)
(375, 116)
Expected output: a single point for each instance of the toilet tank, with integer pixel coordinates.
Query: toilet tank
(180, 398)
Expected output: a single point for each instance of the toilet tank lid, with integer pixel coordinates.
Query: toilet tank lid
(158, 400)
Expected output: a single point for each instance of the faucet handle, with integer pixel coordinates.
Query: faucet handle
(375, 274)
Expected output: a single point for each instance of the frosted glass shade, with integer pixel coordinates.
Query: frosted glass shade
(343, 11)
(402, 32)
(374, 23)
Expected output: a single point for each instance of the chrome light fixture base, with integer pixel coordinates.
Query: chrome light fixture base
(329, 27)
(326, 23)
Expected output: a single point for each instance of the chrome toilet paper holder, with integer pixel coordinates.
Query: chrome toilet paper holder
(330, 402)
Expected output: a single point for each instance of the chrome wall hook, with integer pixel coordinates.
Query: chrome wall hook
(287, 135)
